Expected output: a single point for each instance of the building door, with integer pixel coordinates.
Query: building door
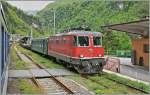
(133, 57)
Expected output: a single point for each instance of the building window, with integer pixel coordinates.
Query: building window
(146, 48)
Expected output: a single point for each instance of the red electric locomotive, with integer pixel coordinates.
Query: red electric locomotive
(79, 49)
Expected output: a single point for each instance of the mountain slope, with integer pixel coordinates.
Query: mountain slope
(71, 14)
(19, 22)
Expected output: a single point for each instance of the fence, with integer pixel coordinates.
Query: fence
(119, 53)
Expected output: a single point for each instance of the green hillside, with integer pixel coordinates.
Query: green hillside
(75, 13)
(19, 22)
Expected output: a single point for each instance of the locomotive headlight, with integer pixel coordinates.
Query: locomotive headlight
(81, 55)
(100, 55)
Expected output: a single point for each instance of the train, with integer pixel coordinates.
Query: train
(4, 52)
(78, 49)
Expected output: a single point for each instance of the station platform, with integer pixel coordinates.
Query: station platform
(130, 70)
(125, 76)
(134, 71)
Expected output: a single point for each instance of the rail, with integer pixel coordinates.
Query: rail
(33, 77)
(130, 86)
(53, 77)
(83, 76)
(97, 82)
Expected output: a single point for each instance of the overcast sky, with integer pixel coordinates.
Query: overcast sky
(30, 5)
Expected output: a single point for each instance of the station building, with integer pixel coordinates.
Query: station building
(139, 30)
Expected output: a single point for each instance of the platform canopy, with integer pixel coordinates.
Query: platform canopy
(140, 27)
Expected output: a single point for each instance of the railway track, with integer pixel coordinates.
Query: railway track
(52, 77)
(50, 85)
(97, 82)
(130, 86)
(58, 85)
(34, 80)
(66, 89)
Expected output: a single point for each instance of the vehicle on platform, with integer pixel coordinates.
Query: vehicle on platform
(4, 53)
(79, 49)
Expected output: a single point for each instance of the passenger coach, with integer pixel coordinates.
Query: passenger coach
(4, 52)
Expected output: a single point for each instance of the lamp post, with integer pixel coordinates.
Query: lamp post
(54, 22)
(31, 37)
(49, 30)
(54, 11)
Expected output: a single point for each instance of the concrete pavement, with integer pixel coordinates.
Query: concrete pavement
(133, 71)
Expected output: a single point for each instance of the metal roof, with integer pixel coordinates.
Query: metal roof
(140, 27)
(81, 33)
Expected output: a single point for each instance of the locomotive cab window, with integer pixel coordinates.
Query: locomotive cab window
(97, 41)
(83, 41)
